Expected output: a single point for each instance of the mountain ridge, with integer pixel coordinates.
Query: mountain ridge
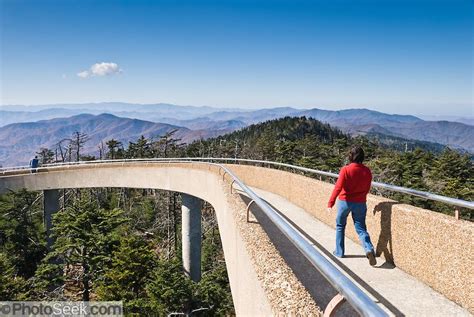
(214, 121)
(19, 141)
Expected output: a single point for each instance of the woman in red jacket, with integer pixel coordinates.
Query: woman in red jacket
(352, 188)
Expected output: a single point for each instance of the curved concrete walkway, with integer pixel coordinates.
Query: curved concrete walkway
(397, 292)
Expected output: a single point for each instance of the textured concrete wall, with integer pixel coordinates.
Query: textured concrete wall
(261, 283)
(434, 248)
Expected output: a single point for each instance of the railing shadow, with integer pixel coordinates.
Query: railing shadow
(318, 287)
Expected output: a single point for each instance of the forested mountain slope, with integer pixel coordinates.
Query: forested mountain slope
(310, 143)
(214, 121)
(19, 141)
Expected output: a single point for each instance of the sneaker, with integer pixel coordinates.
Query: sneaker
(371, 256)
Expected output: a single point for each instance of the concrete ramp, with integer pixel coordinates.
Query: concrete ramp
(433, 253)
(398, 293)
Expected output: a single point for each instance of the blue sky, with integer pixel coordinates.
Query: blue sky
(400, 56)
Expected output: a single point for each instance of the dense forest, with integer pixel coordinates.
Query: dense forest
(310, 143)
(134, 255)
(111, 244)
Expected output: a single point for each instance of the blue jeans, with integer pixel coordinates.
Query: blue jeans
(359, 210)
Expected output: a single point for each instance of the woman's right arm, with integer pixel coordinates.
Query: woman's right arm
(337, 188)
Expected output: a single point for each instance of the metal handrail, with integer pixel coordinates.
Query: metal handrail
(361, 302)
(399, 189)
(427, 195)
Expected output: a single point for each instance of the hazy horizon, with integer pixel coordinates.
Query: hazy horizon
(429, 116)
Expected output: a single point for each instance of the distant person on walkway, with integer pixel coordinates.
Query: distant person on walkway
(34, 164)
(351, 189)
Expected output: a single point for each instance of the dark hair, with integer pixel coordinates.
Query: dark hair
(356, 155)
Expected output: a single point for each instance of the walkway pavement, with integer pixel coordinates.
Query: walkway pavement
(395, 291)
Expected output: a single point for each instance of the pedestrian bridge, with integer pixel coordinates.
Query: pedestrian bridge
(278, 238)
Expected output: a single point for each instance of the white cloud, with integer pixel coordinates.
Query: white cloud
(100, 69)
(83, 74)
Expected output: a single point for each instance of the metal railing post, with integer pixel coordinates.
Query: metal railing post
(333, 305)
(248, 209)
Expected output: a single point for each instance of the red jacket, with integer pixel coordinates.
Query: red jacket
(353, 184)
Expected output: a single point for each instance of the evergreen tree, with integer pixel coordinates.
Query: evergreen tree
(48, 282)
(85, 239)
(115, 150)
(46, 156)
(168, 145)
(453, 175)
(131, 267)
(213, 297)
(169, 289)
(11, 285)
(21, 232)
(140, 149)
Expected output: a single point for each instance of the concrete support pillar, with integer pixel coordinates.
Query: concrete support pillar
(51, 206)
(191, 236)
